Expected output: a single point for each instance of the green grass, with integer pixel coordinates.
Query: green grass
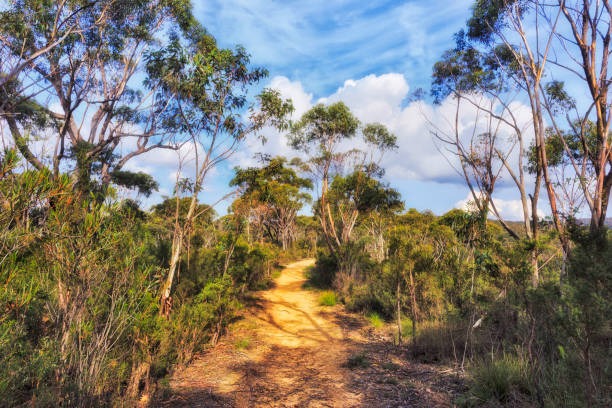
(327, 298)
(406, 329)
(359, 360)
(276, 272)
(375, 319)
(242, 343)
(499, 380)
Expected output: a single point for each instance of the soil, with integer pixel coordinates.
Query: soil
(286, 350)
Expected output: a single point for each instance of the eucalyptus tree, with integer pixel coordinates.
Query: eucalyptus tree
(205, 100)
(347, 176)
(65, 18)
(572, 39)
(497, 65)
(277, 189)
(495, 144)
(74, 76)
(588, 54)
(419, 251)
(353, 200)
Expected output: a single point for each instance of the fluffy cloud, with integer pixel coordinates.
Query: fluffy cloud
(384, 99)
(511, 210)
(377, 99)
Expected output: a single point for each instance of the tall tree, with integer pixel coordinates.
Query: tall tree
(79, 81)
(275, 191)
(322, 133)
(205, 92)
(496, 143)
(572, 38)
(591, 27)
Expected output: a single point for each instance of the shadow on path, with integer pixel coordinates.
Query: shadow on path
(298, 358)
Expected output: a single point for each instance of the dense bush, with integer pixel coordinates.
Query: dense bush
(81, 322)
(463, 290)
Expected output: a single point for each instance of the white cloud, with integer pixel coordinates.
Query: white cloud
(373, 98)
(510, 210)
(377, 99)
(301, 100)
(382, 98)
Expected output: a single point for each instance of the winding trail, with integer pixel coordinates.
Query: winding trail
(287, 351)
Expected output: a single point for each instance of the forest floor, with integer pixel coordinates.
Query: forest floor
(288, 351)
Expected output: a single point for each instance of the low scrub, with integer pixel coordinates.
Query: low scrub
(500, 381)
(327, 298)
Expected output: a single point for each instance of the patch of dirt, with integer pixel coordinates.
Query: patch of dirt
(288, 351)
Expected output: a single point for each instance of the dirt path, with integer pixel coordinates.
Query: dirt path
(287, 351)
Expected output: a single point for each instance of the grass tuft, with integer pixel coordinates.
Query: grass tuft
(390, 366)
(375, 319)
(242, 343)
(327, 298)
(500, 381)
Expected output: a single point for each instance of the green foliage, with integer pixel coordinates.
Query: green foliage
(500, 381)
(320, 124)
(89, 46)
(273, 195)
(327, 298)
(80, 321)
(489, 16)
(322, 274)
(243, 343)
(145, 183)
(365, 193)
(70, 300)
(375, 320)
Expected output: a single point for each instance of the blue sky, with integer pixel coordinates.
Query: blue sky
(322, 44)
(371, 55)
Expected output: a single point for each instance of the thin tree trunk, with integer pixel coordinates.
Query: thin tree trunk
(399, 314)
(177, 247)
(535, 277)
(414, 311)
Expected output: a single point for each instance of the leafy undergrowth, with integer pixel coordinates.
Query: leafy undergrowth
(375, 320)
(327, 298)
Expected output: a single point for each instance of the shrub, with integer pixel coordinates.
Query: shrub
(324, 271)
(503, 380)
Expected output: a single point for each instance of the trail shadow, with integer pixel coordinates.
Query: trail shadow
(317, 377)
(345, 321)
(271, 321)
(307, 315)
(284, 377)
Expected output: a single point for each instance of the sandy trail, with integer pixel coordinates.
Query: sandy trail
(288, 351)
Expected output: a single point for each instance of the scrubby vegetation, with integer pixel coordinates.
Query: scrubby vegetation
(327, 298)
(82, 321)
(101, 299)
